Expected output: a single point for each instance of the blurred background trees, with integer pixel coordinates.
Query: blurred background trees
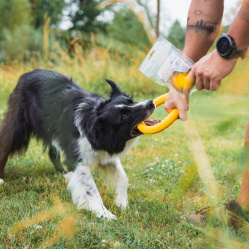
(22, 26)
(176, 35)
(84, 16)
(40, 9)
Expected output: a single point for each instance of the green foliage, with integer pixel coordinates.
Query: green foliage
(47, 8)
(150, 15)
(13, 14)
(126, 28)
(24, 44)
(177, 35)
(85, 17)
(20, 44)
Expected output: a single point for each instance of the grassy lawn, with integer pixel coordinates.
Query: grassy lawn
(37, 211)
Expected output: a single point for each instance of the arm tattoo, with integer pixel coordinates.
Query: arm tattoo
(200, 26)
(205, 23)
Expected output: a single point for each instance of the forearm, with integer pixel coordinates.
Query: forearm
(239, 29)
(204, 19)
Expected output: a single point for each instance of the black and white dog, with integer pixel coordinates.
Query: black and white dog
(90, 130)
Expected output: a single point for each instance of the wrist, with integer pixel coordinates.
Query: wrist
(227, 49)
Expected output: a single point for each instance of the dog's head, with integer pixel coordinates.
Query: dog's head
(117, 120)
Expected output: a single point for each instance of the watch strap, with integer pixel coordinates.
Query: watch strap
(234, 53)
(238, 53)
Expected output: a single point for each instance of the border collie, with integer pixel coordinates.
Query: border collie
(89, 130)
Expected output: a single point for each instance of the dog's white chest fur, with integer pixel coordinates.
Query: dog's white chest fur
(93, 158)
(81, 183)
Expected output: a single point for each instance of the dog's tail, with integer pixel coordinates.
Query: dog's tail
(13, 133)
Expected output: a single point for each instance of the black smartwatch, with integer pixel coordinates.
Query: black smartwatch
(227, 49)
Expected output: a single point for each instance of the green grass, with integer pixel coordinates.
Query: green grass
(164, 184)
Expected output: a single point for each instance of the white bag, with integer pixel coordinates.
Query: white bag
(163, 61)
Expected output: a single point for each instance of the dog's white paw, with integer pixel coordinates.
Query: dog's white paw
(1, 181)
(121, 201)
(109, 216)
(103, 212)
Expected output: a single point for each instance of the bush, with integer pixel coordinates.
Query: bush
(20, 44)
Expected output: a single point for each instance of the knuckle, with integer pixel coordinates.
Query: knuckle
(213, 77)
(198, 73)
(206, 75)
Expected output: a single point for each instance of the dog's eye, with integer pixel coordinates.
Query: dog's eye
(124, 115)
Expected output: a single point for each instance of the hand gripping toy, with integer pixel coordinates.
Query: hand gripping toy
(166, 65)
(165, 123)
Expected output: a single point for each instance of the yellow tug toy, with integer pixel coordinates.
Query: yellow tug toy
(179, 81)
(165, 123)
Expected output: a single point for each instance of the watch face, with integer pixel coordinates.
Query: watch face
(223, 46)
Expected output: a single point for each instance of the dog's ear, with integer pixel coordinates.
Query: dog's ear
(115, 89)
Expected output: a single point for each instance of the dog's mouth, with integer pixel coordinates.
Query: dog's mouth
(150, 109)
(136, 132)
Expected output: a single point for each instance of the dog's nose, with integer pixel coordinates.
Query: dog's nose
(150, 104)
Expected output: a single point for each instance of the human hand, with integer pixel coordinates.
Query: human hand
(179, 101)
(210, 70)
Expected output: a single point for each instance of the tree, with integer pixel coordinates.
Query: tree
(84, 18)
(177, 35)
(126, 28)
(151, 17)
(13, 14)
(51, 8)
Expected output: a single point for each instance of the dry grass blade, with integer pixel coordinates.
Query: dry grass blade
(46, 39)
(64, 229)
(58, 209)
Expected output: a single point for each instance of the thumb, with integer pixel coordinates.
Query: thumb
(182, 106)
(190, 78)
(183, 114)
(168, 107)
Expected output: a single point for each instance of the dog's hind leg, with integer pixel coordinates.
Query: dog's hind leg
(8, 128)
(5, 151)
(55, 158)
(116, 176)
(3, 159)
(85, 193)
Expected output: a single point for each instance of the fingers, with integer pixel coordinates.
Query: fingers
(206, 83)
(199, 83)
(169, 105)
(190, 77)
(215, 84)
(183, 113)
(168, 109)
(178, 101)
(182, 107)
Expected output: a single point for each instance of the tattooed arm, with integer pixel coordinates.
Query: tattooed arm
(239, 29)
(212, 68)
(203, 24)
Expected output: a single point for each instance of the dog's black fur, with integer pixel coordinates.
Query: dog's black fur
(89, 129)
(53, 107)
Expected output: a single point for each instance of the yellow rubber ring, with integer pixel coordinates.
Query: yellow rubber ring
(165, 123)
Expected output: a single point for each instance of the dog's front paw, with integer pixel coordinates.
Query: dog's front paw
(105, 214)
(121, 201)
(109, 216)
